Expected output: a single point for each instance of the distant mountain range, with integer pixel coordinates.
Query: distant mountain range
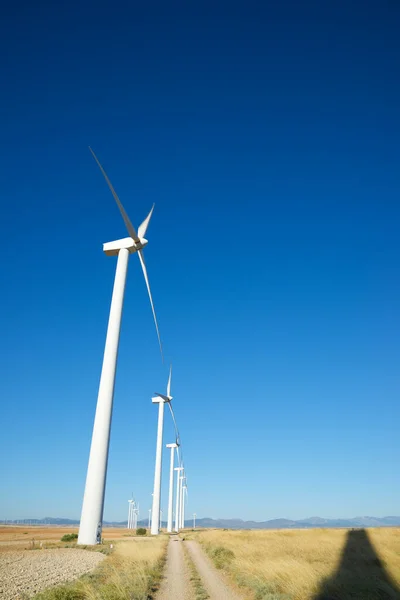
(312, 522)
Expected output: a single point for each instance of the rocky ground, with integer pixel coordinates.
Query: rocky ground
(31, 571)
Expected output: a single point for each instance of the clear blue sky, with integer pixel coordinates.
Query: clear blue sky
(268, 135)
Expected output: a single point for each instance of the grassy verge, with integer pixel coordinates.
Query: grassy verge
(309, 564)
(195, 579)
(132, 572)
(104, 548)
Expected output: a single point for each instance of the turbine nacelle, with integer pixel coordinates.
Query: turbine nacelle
(112, 248)
(161, 398)
(164, 397)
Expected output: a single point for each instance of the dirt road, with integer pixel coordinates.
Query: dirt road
(176, 584)
(211, 578)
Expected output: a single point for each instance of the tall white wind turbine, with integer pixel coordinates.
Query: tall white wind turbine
(136, 516)
(171, 487)
(184, 498)
(129, 513)
(181, 524)
(177, 500)
(93, 501)
(159, 399)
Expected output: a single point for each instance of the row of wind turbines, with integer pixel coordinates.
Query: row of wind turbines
(91, 523)
(181, 485)
(133, 514)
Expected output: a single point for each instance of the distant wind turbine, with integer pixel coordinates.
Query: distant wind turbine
(184, 498)
(159, 399)
(130, 513)
(177, 500)
(181, 500)
(133, 514)
(136, 516)
(171, 487)
(93, 502)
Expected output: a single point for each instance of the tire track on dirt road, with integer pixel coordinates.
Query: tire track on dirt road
(176, 582)
(212, 580)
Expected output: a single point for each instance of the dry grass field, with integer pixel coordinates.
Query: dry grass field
(18, 532)
(20, 537)
(314, 564)
(131, 570)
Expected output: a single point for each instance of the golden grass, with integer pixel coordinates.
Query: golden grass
(22, 537)
(309, 564)
(132, 572)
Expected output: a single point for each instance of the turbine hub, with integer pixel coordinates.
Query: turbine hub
(112, 248)
(141, 244)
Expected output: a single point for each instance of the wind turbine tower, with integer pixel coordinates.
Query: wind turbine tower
(136, 515)
(159, 399)
(129, 513)
(91, 523)
(171, 487)
(181, 521)
(184, 498)
(177, 500)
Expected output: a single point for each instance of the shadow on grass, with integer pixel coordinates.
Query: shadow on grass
(361, 574)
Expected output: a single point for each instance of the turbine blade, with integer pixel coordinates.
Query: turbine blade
(177, 436)
(128, 224)
(143, 227)
(169, 381)
(146, 278)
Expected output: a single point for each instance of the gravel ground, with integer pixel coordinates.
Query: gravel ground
(176, 582)
(32, 571)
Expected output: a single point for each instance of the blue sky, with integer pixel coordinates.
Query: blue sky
(268, 137)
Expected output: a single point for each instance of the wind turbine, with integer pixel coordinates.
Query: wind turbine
(129, 513)
(194, 520)
(184, 497)
(171, 487)
(93, 501)
(181, 522)
(136, 515)
(178, 496)
(133, 514)
(159, 399)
